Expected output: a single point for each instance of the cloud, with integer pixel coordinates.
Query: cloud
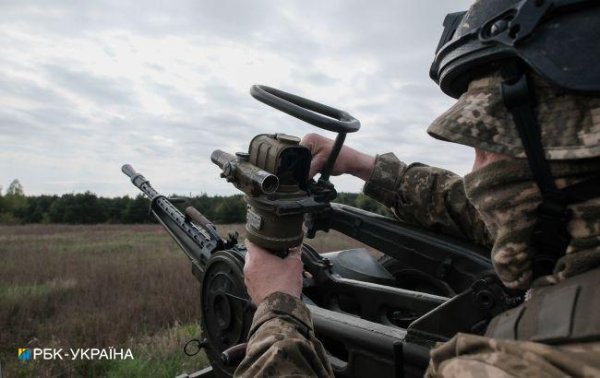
(88, 86)
(102, 91)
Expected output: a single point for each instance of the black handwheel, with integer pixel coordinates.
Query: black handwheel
(315, 113)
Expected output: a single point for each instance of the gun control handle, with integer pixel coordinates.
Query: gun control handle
(234, 355)
(335, 151)
(197, 217)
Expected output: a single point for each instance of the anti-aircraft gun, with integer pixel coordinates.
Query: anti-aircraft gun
(374, 317)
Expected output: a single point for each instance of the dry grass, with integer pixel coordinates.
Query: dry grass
(100, 286)
(89, 286)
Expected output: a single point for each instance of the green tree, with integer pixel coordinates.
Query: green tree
(38, 209)
(115, 208)
(137, 211)
(13, 205)
(15, 188)
(205, 204)
(77, 208)
(231, 210)
(346, 198)
(367, 203)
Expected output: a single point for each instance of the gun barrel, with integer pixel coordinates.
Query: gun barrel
(139, 181)
(246, 176)
(128, 170)
(197, 243)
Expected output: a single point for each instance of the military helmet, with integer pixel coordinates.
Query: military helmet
(556, 41)
(529, 87)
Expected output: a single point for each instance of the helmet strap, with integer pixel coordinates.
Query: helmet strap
(550, 237)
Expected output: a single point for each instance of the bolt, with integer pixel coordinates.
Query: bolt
(498, 27)
(242, 156)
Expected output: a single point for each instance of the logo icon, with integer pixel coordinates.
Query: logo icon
(24, 354)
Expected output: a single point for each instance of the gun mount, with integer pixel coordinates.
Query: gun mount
(375, 318)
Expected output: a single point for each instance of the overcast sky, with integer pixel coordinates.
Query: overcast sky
(86, 86)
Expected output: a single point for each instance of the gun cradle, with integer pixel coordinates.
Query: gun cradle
(372, 317)
(375, 318)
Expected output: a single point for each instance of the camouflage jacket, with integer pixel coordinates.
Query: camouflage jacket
(282, 341)
(426, 196)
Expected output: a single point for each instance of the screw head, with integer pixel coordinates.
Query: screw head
(227, 169)
(242, 156)
(498, 27)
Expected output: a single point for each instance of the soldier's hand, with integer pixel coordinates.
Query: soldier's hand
(265, 273)
(348, 161)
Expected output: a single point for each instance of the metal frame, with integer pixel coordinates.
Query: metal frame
(354, 318)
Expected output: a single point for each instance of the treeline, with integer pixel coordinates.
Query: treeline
(87, 208)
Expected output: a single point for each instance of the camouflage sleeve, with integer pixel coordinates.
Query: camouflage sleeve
(426, 196)
(477, 356)
(282, 341)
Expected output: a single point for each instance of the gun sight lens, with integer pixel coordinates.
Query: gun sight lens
(270, 184)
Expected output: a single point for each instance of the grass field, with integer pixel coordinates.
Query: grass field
(98, 287)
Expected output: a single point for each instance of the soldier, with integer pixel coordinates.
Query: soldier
(528, 103)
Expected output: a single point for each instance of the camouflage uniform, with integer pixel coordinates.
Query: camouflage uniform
(281, 339)
(494, 207)
(430, 197)
(434, 198)
(507, 199)
(282, 342)
(522, 114)
(505, 194)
